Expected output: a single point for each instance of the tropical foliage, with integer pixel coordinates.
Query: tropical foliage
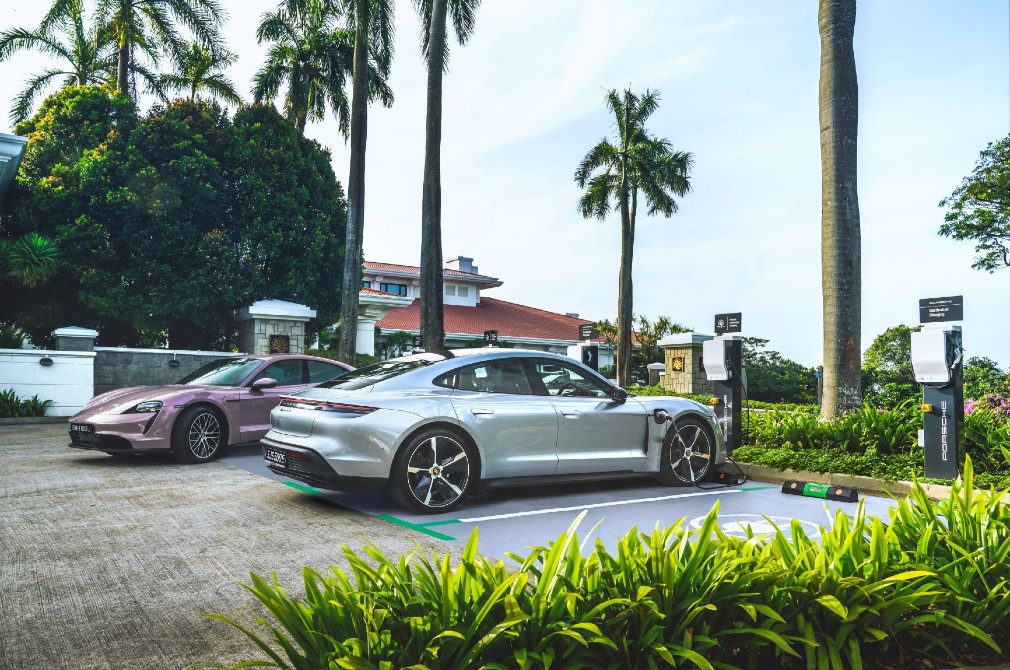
(773, 378)
(979, 209)
(614, 174)
(930, 583)
(199, 70)
(84, 56)
(150, 211)
(13, 406)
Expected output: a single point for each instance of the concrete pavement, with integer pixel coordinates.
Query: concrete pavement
(108, 564)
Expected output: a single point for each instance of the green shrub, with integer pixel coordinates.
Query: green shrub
(11, 406)
(929, 584)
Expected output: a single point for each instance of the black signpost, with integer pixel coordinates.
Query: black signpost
(934, 310)
(588, 331)
(490, 337)
(728, 323)
(591, 357)
(418, 341)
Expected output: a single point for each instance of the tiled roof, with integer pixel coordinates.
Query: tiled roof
(375, 291)
(413, 269)
(509, 319)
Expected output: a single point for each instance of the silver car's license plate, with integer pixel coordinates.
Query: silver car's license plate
(276, 457)
(81, 428)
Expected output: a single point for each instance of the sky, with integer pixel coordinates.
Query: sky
(738, 80)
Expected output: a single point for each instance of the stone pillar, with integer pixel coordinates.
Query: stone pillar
(273, 326)
(73, 338)
(364, 343)
(685, 371)
(372, 307)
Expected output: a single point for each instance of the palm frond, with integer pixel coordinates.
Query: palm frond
(463, 14)
(24, 102)
(603, 154)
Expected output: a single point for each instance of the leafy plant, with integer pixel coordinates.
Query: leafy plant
(12, 406)
(11, 336)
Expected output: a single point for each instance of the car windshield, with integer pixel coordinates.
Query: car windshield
(377, 372)
(224, 372)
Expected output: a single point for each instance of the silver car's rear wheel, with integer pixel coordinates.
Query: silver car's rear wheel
(688, 451)
(433, 473)
(198, 435)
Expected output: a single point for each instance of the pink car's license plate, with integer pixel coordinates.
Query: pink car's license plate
(81, 428)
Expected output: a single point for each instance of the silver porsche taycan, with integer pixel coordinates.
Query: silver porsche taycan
(432, 428)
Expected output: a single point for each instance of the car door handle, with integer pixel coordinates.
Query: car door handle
(571, 413)
(477, 411)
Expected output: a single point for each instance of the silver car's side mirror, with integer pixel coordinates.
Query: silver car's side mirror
(264, 383)
(619, 394)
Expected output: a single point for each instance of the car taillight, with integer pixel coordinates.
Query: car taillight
(324, 406)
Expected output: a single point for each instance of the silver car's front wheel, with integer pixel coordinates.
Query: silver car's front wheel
(433, 472)
(198, 435)
(688, 451)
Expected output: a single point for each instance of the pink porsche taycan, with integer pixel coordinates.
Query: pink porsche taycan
(226, 402)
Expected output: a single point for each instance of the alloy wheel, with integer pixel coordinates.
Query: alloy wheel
(204, 435)
(690, 453)
(438, 470)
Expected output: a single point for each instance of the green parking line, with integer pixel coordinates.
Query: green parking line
(420, 528)
(759, 488)
(303, 488)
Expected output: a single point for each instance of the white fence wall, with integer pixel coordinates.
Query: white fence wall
(69, 382)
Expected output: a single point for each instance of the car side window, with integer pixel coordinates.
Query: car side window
(323, 372)
(287, 372)
(566, 380)
(501, 376)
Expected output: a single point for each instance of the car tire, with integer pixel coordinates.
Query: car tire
(688, 451)
(197, 436)
(434, 472)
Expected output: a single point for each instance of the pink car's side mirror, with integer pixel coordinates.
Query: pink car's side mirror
(264, 383)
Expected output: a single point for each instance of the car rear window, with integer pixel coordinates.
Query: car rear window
(377, 372)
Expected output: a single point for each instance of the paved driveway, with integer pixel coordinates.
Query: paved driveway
(112, 564)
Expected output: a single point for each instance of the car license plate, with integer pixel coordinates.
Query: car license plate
(81, 428)
(276, 457)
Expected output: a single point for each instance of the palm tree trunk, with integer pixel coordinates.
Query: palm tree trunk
(123, 74)
(625, 292)
(432, 319)
(841, 283)
(355, 192)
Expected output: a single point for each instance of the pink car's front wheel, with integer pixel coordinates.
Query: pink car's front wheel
(197, 436)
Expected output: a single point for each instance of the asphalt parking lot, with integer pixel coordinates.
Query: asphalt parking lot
(513, 520)
(109, 563)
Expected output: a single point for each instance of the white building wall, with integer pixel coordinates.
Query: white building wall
(69, 381)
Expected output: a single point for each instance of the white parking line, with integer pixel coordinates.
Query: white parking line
(615, 503)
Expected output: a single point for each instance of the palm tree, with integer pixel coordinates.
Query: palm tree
(372, 22)
(86, 59)
(311, 58)
(30, 260)
(435, 49)
(200, 69)
(148, 26)
(617, 172)
(841, 285)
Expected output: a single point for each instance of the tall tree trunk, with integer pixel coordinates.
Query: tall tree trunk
(841, 283)
(624, 297)
(123, 70)
(355, 192)
(432, 319)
